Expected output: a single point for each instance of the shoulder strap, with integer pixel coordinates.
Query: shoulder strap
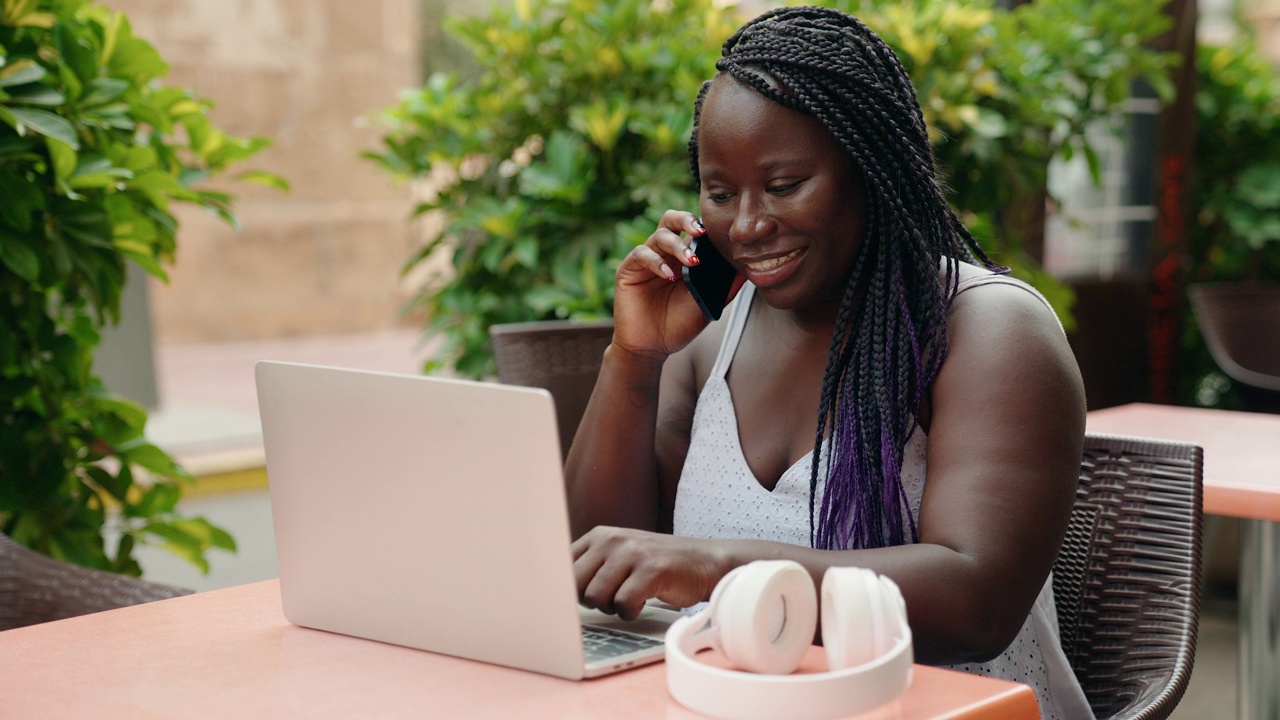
(737, 320)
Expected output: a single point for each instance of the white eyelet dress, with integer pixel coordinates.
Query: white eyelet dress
(719, 497)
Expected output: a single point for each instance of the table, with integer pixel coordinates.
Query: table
(1241, 480)
(231, 654)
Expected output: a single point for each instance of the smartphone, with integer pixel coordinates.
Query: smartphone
(710, 280)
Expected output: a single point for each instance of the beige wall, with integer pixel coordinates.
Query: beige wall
(325, 257)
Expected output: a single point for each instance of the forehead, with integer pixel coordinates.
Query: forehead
(737, 122)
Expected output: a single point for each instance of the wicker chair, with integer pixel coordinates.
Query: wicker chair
(1240, 323)
(562, 356)
(36, 588)
(1127, 580)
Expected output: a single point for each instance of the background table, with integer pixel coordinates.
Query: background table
(1241, 480)
(231, 654)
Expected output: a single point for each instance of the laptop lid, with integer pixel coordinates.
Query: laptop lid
(422, 511)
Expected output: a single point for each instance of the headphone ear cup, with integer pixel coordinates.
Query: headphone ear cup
(766, 615)
(891, 613)
(852, 615)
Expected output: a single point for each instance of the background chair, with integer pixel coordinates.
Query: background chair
(1240, 323)
(562, 356)
(1127, 580)
(36, 588)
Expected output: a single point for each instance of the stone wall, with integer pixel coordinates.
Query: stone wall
(325, 257)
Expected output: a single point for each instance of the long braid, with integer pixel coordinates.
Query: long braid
(890, 331)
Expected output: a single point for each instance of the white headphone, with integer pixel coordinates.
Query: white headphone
(762, 617)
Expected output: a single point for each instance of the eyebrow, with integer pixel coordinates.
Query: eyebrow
(769, 166)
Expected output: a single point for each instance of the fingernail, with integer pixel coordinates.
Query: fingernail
(702, 229)
(694, 259)
(670, 275)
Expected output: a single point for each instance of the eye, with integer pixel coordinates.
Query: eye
(719, 195)
(785, 187)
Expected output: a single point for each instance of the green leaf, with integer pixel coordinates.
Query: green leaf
(181, 542)
(19, 257)
(103, 90)
(205, 533)
(136, 60)
(152, 458)
(264, 178)
(43, 122)
(117, 486)
(160, 498)
(64, 158)
(20, 72)
(37, 94)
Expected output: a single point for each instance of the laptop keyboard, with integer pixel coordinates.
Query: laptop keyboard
(603, 643)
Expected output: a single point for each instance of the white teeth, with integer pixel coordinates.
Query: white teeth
(771, 263)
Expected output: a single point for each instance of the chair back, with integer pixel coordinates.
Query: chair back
(36, 588)
(1240, 323)
(1127, 580)
(562, 356)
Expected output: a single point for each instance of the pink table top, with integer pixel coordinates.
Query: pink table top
(1241, 451)
(231, 654)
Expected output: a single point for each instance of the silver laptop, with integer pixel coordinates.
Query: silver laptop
(431, 513)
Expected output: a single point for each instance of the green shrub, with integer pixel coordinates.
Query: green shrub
(1006, 92)
(560, 156)
(555, 159)
(1236, 176)
(93, 151)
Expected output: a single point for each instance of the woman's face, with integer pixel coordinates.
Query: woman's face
(779, 198)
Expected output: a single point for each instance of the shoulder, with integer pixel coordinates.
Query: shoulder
(989, 303)
(1004, 334)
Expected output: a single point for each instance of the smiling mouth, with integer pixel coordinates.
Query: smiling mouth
(771, 263)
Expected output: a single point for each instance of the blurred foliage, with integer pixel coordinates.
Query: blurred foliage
(1236, 188)
(1004, 92)
(555, 160)
(93, 152)
(1236, 176)
(562, 152)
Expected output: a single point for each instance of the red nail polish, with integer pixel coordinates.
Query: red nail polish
(694, 259)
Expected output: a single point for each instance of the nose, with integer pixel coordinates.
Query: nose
(752, 221)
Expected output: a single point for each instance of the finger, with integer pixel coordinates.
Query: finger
(648, 258)
(602, 590)
(632, 594)
(585, 568)
(580, 546)
(673, 233)
(681, 221)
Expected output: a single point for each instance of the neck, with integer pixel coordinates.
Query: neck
(816, 320)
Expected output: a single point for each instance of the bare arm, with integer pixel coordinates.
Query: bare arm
(626, 457)
(612, 472)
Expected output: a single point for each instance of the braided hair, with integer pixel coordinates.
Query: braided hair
(890, 330)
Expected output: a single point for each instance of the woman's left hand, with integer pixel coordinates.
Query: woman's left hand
(619, 569)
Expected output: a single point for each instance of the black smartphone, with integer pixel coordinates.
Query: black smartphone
(710, 280)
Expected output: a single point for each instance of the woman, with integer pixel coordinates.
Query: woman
(870, 332)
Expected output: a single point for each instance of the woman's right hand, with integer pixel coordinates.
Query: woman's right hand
(654, 314)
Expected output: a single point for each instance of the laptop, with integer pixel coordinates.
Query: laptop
(431, 513)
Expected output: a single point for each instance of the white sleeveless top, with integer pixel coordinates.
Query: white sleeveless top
(719, 497)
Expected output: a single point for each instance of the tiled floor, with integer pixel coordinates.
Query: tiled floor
(208, 418)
